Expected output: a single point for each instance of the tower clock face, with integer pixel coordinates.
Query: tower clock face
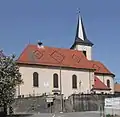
(84, 48)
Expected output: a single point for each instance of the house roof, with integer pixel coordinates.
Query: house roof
(117, 87)
(50, 56)
(100, 68)
(99, 85)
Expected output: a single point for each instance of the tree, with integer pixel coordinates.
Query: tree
(10, 77)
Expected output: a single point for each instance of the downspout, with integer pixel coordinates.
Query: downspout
(89, 81)
(113, 79)
(103, 79)
(61, 90)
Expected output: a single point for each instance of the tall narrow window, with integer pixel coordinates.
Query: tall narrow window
(84, 52)
(35, 79)
(55, 80)
(74, 81)
(108, 83)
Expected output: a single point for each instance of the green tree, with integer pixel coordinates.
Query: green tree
(10, 77)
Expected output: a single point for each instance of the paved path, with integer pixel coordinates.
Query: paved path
(74, 114)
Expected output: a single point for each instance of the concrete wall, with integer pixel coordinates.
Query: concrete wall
(100, 91)
(46, 77)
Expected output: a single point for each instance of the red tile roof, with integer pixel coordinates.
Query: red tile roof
(99, 85)
(50, 56)
(100, 68)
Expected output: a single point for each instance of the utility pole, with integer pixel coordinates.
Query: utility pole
(79, 94)
(80, 86)
(61, 91)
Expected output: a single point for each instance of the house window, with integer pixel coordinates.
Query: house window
(55, 80)
(108, 83)
(84, 52)
(74, 81)
(35, 79)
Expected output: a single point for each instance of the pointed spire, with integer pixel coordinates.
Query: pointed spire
(81, 37)
(80, 32)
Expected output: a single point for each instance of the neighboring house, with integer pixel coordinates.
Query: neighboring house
(67, 71)
(117, 88)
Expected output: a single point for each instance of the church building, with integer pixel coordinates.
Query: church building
(67, 71)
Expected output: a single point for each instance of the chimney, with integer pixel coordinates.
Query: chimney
(40, 44)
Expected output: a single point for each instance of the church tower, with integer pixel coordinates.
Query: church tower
(81, 42)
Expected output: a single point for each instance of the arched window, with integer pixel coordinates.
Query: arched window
(35, 79)
(74, 81)
(55, 80)
(108, 83)
(84, 52)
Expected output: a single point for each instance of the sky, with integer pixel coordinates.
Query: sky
(54, 23)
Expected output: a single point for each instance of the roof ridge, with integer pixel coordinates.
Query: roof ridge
(56, 48)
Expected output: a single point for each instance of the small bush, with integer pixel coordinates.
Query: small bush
(108, 115)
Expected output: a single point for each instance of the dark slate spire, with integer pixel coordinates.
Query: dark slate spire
(81, 37)
(80, 32)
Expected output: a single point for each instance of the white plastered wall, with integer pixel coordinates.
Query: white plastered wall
(88, 50)
(46, 77)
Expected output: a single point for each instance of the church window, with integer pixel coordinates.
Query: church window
(35, 79)
(84, 52)
(74, 81)
(108, 83)
(55, 80)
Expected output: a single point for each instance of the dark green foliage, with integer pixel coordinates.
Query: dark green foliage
(10, 77)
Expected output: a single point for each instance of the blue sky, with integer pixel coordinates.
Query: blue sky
(54, 23)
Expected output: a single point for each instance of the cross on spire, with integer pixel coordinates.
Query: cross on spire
(78, 11)
(80, 33)
(81, 37)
